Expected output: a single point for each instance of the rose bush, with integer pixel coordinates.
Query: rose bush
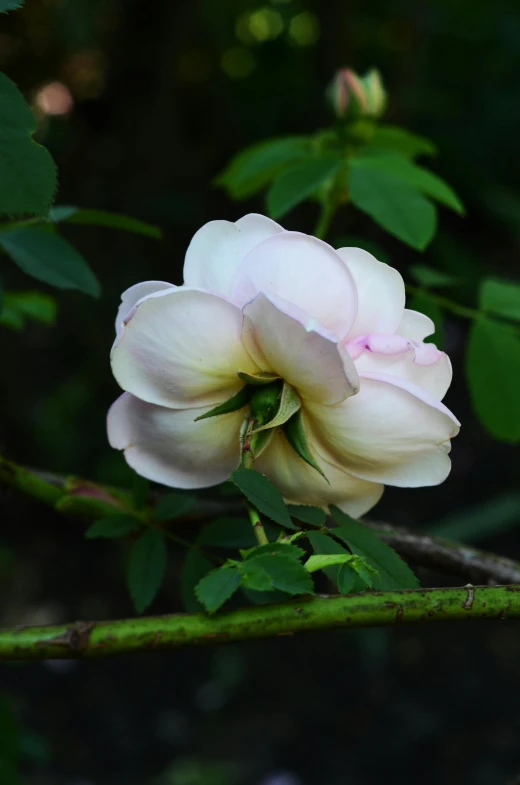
(330, 323)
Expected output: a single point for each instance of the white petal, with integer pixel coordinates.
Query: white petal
(135, 293)
(415, 325)
(284, 339)
(434, 379)
(380, 291)
(299, 483)
(182, 348)
(218, 248)
(303, 271)
(167, 446)
(391, 432)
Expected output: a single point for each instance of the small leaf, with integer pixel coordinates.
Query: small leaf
(432, 278)
(294, 432)
(346, 578)
(27, 171)
(323, 543)
(398, 207)
(399, 140)
(292, 551)
(286, 573)
(80, 215)
(368, 574)
(233, 404)
(20, 306)
(146, 567)
(324, 560)
(500, 297)
(257, 379)
(172, 505)
(217, 587)
(227, 532)
(493, 373)
(314, 516)
(194, 568)
(263, 494)
(111, 528)
(289, 403)
(295, 184)
(10, 5)
(394, 573)
(255, 577)
(49, 258)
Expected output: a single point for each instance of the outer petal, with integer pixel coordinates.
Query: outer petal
(434, 379)
(301, 484)
(218, 248)
(392, 432)
(304, 271)
(286, 340)
(416, 326)
(182, 348)
(135, 293)
(167, 446)
(380, 290)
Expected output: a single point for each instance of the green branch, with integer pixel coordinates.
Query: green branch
(105, 638)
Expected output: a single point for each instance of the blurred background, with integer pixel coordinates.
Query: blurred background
(142, 104)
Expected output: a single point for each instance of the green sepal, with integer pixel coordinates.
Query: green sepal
(257, 379)
(288, 405)
(294, 431)
(259, 440)
(237, 401)
(265, 402)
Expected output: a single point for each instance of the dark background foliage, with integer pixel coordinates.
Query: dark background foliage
(164, 94)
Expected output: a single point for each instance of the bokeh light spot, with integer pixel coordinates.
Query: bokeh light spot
(304, 29)
(238, 62)
(54, 98)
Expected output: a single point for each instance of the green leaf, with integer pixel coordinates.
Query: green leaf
(254, 168)
(49, 258)
(81, 215)
(493, 374)
(314, 516)
(172, 505)
(111, 528)
(27, 171)
(217, 587)
(287, 549)
(324, 560)
(394, 573)
(257, 441)
(288, 404)
(286, 573)
(10, 5)
(399, 140)
(394, 204)
(20, 306)
(233, 404)
(294, 432)
(402, 169)
(264, 495)
(346, 579)
(500, 297)
(194, 568)
(140, 491)
(255, 577)
(432, 278)
(295, 184)
(323, 543)
(424, 304)
(146, 567)
(227, 532)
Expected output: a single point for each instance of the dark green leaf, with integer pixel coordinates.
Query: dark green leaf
(20, 306)
(112, 527)
(194, 568)
(146, 567)
(140, 491)
(263, 597)
(424, 304)
(493, 373)
(398, 207)
(295, 184)
(237, 401)
(255, 577)
(80, 215)
(172, 505)
(294, 432)
(217, 587)
(399, 140)
(286, 573)
(345, 579)
(227, 532)
(49, 258)
(286, 548)
(10, 5)
(255, 167)
(323, 544)
(264, 495)
(27, 171)
(393, 572)
(476, 523)
(432, 278)
(500, 297)
(314, 516)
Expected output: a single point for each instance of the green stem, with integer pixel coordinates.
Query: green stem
(371, 609)
(256, 523)
(327, 211)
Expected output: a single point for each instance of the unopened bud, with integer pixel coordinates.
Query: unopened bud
(351, 96)
(265, 402)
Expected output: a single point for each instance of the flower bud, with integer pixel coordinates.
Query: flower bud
(351, 96)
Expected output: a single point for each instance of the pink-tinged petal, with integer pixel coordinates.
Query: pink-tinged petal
(131, 297)
(392, 432)
(284, 339)
(415, 325)
(182, 348)
(377, 343)
(167, 445)
(380, 291)
(219, 247)
(299, 483)
(434, 378)
(304, 271)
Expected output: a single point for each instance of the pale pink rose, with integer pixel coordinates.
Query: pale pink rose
(331, 323)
